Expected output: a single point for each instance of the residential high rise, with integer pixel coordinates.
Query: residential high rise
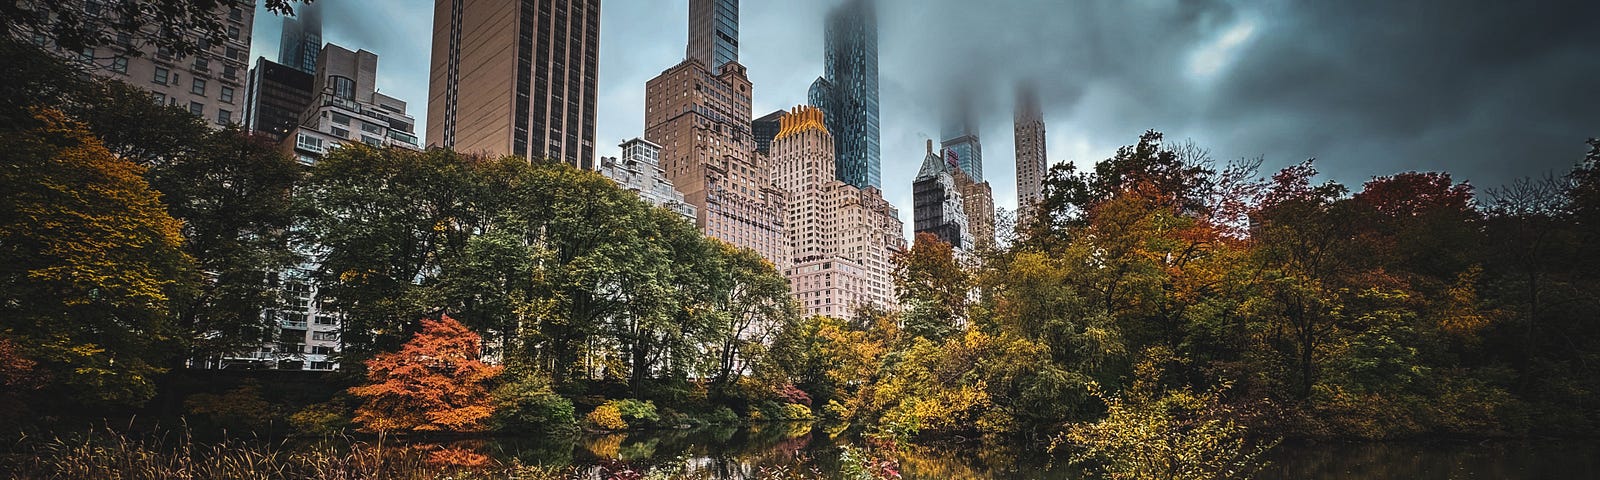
(847, 92)
(714, 32)
(515, 77)
(841, 237)
(701, 120)
(764, 129)
(347, 107)
(276, 97)
(639, 170)
(210, 83)
(977, 200)
(1031, 160)
(937, 204)
(302, 38)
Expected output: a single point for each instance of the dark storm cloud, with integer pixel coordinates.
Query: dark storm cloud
(1487, 90)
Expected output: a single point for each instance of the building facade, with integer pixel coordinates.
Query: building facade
(960, 140)
(515, 78)
(1031, 160)
(847, 92)
(301, 41)
(977, 200)
(209, 84)
(276, 96)
(701, 121)
(937, 206)
(346, 107)
(841, 237)
(714, 32)
(639, 170)
(764, 129)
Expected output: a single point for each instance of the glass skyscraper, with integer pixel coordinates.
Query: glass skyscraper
(960, 139)
(848, 91)
(302, 38)
(714, 32)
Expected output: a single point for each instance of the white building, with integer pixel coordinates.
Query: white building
(346, 107)
(840, 237)
(639, 170)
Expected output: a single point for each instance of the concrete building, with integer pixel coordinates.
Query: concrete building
(764, 129)
(276, 96)
(702, 123)
(346, 107)
(209, 84)
(515, 78)
(847, 92)
(714, 32)
(937, 204)
(977, 200)
(301, 41)
(841, 237)
(1031, 160)
(639, 170)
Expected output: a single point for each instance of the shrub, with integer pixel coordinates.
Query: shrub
(637, 411)
(606, 417)
(320, 419)
(795, 411)
(241, 409)
(722, 416)
(836, 411)
(528, 405)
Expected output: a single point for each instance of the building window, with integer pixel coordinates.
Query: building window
(226, 95)
(341, 118)
(201, 64)
(160, 98)
(371, 141)
(343, 87)
(197, 108)
(321, 349)
(341, 133)
(86, 55)
(307, 142)
(235, 54)
(322, 365)
(199, 87)
(229, 72)
(119, 65)
(224, 116)
(233, 32)
(324, 336)
(371, 127)
(236, 14)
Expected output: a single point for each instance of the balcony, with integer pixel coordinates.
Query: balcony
(292, 324)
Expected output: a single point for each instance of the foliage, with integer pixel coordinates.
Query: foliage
(321, 419)
(436, 382)
(126, 27)
(1171, 434)
(527, 404)
(92, 262)
(607, 416)
(241, 409)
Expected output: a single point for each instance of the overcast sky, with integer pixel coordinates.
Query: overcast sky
(1486, 90)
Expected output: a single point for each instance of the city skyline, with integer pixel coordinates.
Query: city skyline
(1193, 72)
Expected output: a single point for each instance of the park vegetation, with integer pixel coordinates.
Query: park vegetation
(1214, 306)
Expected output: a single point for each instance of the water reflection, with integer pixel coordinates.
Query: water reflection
(743, 453)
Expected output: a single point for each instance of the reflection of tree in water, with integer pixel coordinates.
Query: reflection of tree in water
(1438, 460)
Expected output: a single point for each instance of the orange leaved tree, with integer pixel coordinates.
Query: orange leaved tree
(436, 382)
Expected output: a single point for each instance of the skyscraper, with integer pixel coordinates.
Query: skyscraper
(276, 96)
(302, 38)
(1031, 162)
(714, 32)
(937, 205)
(515, 77)
(960, 138)
(847, 92)
(840, 237)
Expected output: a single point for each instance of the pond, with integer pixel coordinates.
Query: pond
(740, 453)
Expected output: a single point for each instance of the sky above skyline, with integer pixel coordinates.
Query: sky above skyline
(1488, 91)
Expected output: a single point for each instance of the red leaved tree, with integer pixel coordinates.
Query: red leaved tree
(436, 382)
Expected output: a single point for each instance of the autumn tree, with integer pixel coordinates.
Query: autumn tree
(435, 382)
(182, 26)
(92, 263)
(933, 284)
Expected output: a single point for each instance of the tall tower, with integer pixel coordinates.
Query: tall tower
(714, 32)
(841, 238)
(960, 143)
(302, 38)
(1031, 162)
(515, 77)
(701, 120)
(938, 207)
(847, 93)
